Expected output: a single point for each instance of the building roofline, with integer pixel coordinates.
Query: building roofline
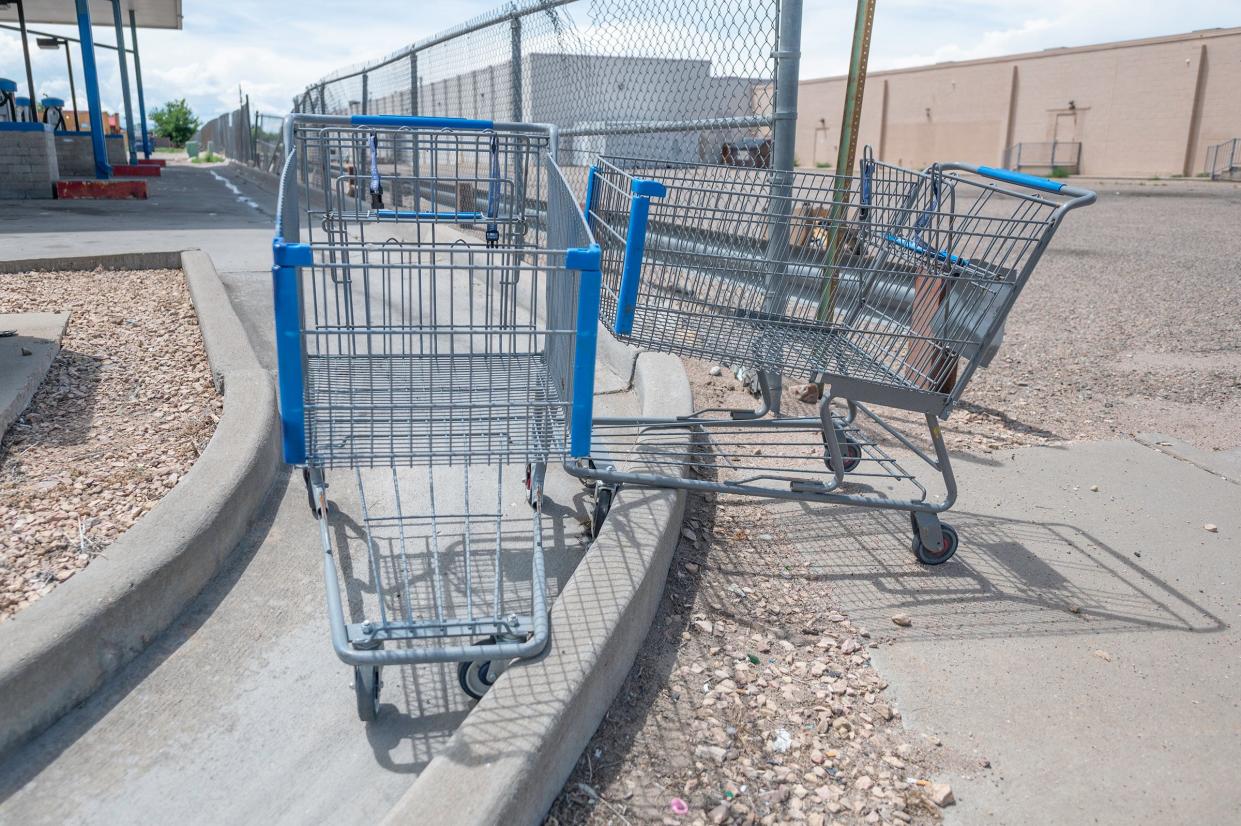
(1199, 34)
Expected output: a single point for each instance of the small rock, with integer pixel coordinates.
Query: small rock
(807, 393)
(864, 783)
(1211, 527)
(903, 620)
(1094, 488)
(689, 534)
(782, 742)
(941, 795)
(715, 370)
(849, 646)
(1075, 609)
(719, 813)
(26, 352)
(1103, 655)
(716, 753)
(691, 567)
(704, 626)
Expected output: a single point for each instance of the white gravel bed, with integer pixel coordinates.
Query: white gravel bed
(124, 411)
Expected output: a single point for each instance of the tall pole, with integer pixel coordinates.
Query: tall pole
(120, 52)
(73, 94)
(851, 118)
(142, 106)
(103, 170)
(34, 101)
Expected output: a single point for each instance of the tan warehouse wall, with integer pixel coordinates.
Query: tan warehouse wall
(1139, 107)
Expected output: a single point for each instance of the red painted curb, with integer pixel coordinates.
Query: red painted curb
(160, 162)
(116, 190)
(136, 170)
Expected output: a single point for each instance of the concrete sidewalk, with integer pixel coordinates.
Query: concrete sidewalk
(1079, 656)
(241, 711)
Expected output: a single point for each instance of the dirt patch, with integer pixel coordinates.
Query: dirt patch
(752, 700)
(124, 411)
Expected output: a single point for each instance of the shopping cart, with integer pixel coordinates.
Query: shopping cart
(436, 303)
(887, 289)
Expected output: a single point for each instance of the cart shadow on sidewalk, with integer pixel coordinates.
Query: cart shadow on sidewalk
(1010, 577)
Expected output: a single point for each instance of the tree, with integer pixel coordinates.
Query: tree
(175, 121)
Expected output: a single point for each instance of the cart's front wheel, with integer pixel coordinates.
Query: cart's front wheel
(310, 493)
(948, 546)
(366, 687)
(850, 452)
(603, 504)
(476, 677)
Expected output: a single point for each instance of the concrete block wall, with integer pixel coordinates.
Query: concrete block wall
(28, 164)
(77, 156)
(1137, 107)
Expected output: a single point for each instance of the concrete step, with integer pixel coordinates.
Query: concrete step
(136, 170)
(115, 190)
(160, 162)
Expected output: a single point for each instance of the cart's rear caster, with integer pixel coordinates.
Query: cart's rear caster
(310, 493)
(948, 544)
(850, 452)
(366, 685)
(603, 503)
(476, 677)
(534, 484)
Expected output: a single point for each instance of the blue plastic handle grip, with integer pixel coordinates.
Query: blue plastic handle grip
(419, 122)
(1020, 178)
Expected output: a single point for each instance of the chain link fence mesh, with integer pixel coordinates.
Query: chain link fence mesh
(677, 80)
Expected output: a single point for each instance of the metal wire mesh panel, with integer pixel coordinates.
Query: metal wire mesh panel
(889, 285)
(690, 81)
(446, 336)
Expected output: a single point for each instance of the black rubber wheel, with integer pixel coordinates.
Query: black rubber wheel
(603, 504)
(476, 677)
(850, 452)
(310, 493)
(366, 685)
(949, 546)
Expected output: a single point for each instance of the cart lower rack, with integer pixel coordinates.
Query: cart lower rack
(436, 294)
(888, 289)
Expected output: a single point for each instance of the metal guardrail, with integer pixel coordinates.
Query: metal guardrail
(1223, 160)
(1045, 157)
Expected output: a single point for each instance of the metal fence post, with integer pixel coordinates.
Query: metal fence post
(783, 139)
(515, 71)
(365, 92)
(413, 83)
(322, 101)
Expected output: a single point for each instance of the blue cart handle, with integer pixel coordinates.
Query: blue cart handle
(1020, 179)
(419, 122)
(1080, 197)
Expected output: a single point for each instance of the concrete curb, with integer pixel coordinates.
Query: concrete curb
(510, 757)
(169, 260)
(55, 653)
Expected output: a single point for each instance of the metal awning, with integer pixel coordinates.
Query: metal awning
(150, 14)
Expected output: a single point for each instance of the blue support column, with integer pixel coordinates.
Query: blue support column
(102, 170)
(120, 53)
(142, 106)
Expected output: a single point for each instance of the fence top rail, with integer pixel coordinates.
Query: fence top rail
(504, 13)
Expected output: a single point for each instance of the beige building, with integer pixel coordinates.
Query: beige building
(1136, 107)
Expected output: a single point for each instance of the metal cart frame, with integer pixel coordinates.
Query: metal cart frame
(415, 352)
(892, 297)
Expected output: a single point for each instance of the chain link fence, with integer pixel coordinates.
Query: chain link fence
(678, 80)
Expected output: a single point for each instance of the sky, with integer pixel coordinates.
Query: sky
(275, 49)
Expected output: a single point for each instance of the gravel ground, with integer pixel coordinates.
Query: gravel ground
(126, 408)
(1128, 325)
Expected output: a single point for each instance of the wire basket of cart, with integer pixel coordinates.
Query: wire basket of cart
(432, 278)
(885, 289)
